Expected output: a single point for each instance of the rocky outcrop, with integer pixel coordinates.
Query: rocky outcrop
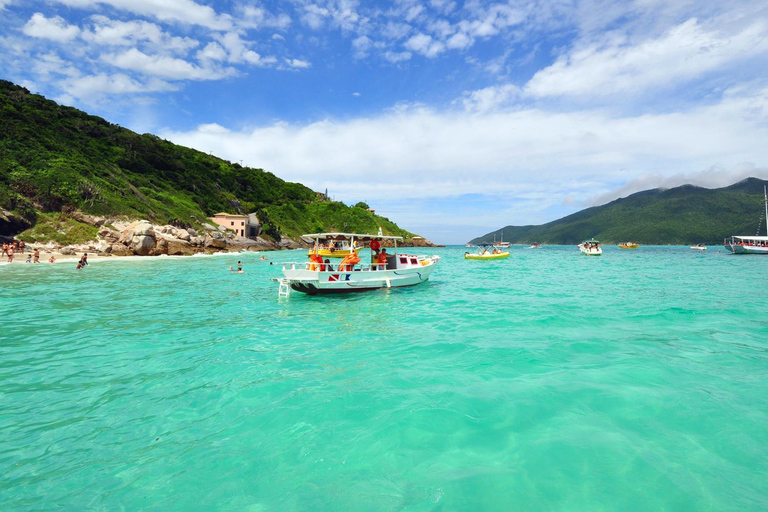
(11, 223)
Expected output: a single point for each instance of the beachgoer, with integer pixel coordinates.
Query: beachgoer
(29, 259)
(37, 256)
(240, 270)
(9, 253)
(52, 259)
(21, 246)
(84, 259)
(263, 258)
(231, 269)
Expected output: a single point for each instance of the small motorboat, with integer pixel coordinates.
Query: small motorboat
(590, 247)
(485, 253)
(628, 245)
(699, 247)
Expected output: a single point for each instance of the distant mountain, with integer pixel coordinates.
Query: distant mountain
(57, 159)
(681, 215)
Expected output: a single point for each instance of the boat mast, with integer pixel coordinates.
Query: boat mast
(766, 210)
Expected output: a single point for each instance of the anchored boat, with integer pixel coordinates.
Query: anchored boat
(591, 247)
(750, 244)
(387, 268)
(332, 247)
(628, 245)
(485, 253)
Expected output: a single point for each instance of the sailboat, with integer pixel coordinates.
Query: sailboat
(502, 244)
(750, 244)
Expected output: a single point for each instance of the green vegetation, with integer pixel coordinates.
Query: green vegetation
(681, 215)
(58, 159)
(59, 228)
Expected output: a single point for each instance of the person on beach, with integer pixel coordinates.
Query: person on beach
(84, 260)
(21, 246)
(29, 258)
(36, 256)
(9, 253)
(52, 259)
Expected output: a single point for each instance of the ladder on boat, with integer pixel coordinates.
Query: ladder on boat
(285, 288)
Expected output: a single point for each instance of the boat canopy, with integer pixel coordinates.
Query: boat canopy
(760, 238)
(361, 237)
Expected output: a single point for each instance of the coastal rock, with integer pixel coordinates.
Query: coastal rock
(10, 224)
(212, 242)
(178, 247)
(89, 219)
(143, 244)
(183, 234)
(119, 250)
(192, 232)
(67, 251)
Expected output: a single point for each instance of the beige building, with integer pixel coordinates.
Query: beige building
(236, 223)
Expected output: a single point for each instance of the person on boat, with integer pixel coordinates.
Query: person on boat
(382, 259)
(328, 265)
(315, 259)
(349, 262)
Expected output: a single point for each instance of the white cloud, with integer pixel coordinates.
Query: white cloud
(419, 153)
(92, 87)
(395, 57)
(685, 52)
(164, 67)
(298, 63)
(490, 98)
(55, 28)
(212, 51)
(425, 45)
(314, 16)
(257, 17)
(108, 32)
(5, 3)
(361, 47)
(182, 11)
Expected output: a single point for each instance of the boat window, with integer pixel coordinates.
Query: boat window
(414, 261)
(403, 260)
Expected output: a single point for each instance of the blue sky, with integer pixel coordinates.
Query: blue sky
(451, 118)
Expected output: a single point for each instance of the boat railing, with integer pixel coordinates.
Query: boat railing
(333, 267)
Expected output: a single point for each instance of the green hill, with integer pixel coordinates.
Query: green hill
(55, 158)
(681, 215)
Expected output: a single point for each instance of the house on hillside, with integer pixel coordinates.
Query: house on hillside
(243, 225)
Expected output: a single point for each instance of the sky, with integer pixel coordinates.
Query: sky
(451, 118)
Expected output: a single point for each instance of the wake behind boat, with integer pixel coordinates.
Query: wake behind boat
(386, 270)
(750, 244)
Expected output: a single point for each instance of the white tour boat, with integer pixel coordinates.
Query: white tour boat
(389, 270)
(590, 247)
(699, 247)
(750, 244)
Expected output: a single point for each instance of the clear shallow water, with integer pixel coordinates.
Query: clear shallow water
(548, 381)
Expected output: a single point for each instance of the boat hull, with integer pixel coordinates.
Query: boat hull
(591, 251)
(501, 256)
(746, 249)
(315, 282)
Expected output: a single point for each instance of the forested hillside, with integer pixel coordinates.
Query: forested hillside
(59, 159)
(681, 215)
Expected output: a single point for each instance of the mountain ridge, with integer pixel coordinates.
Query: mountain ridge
(686, 214)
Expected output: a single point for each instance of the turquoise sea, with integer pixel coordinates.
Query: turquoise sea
(549, 381)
